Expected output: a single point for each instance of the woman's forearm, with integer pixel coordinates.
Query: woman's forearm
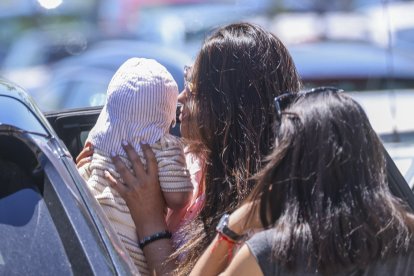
(218, 255)
(214, 259)
(156, 253)
(141, 192)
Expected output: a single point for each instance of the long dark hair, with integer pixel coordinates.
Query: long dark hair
(237, 74)
(324, 189)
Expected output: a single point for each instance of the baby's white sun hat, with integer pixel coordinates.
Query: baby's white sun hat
(140, 106)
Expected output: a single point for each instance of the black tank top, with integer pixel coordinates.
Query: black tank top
(260, 246)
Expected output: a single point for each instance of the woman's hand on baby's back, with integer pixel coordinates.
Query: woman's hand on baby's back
(140, 190)
(85, 156)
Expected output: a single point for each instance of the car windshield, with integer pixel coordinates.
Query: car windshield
(64, 53)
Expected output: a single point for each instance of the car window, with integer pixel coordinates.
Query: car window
(23, 118)
(25, 220)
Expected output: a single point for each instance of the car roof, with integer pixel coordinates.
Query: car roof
(107, 48)
(389, 111)
(94, 69)
(18, 109)
(111, 54)
(349, 59)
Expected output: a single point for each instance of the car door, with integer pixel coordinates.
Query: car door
(49, 221)
(73, 126)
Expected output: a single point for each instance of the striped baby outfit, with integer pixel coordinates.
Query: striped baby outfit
(140, 107)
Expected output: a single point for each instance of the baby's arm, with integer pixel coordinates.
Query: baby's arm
(178, 200)
(174, 179)
(177, 203)
(173, 174)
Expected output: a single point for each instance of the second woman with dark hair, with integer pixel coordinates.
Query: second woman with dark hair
(323, 198)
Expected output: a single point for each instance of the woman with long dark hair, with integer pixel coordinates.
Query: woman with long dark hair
(227, 119)
(237, 74)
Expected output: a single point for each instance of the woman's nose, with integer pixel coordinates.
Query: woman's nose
(182, 96)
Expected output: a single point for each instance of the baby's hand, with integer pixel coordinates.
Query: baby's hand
(85, 155)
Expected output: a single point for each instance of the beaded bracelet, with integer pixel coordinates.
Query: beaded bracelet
(154, 237)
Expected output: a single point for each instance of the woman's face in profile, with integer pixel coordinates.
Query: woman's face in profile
(184, 113)
(183, 99)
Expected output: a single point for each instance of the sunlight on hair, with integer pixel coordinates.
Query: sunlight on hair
(50, 4)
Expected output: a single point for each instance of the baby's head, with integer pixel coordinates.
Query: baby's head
(140, 106)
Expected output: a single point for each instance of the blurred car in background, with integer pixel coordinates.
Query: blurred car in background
(185, 26)
(402, 154)
(38, 47)
(3, 53)
(393, 21)
(29, 57)
(81, 81)
(352, 66)
(390, 113)
(329, 6)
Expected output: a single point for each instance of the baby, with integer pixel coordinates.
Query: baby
(140, 106)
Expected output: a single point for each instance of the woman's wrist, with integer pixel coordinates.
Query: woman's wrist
(147, 220)
(154, 237)
(225, 231)
(151, 227)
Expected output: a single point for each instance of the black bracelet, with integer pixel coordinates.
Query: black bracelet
(154, 237)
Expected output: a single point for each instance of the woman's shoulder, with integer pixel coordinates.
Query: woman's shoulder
(261, 238)
(260, 243)
(260, 246)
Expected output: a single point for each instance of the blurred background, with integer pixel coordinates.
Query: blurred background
(64, 52)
